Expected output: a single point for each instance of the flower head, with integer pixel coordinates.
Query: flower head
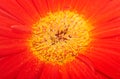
(59, 39)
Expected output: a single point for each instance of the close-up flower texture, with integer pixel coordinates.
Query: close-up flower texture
(59, 39)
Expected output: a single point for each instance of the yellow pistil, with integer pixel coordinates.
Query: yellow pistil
(59, 37)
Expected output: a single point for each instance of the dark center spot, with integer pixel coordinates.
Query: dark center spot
(60, 36)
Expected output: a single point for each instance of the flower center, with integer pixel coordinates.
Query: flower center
(59, 37)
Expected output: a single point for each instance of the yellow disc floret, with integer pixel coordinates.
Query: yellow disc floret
(59, 37)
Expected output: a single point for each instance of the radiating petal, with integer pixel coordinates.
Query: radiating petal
(12, 64)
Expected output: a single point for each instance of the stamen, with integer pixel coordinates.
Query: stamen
(59, 37)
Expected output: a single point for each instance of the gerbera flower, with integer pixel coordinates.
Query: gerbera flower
(59, 39)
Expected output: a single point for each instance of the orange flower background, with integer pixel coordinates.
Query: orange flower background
(99, 60)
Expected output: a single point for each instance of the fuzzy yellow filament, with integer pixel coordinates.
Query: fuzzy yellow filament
(59, 37)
